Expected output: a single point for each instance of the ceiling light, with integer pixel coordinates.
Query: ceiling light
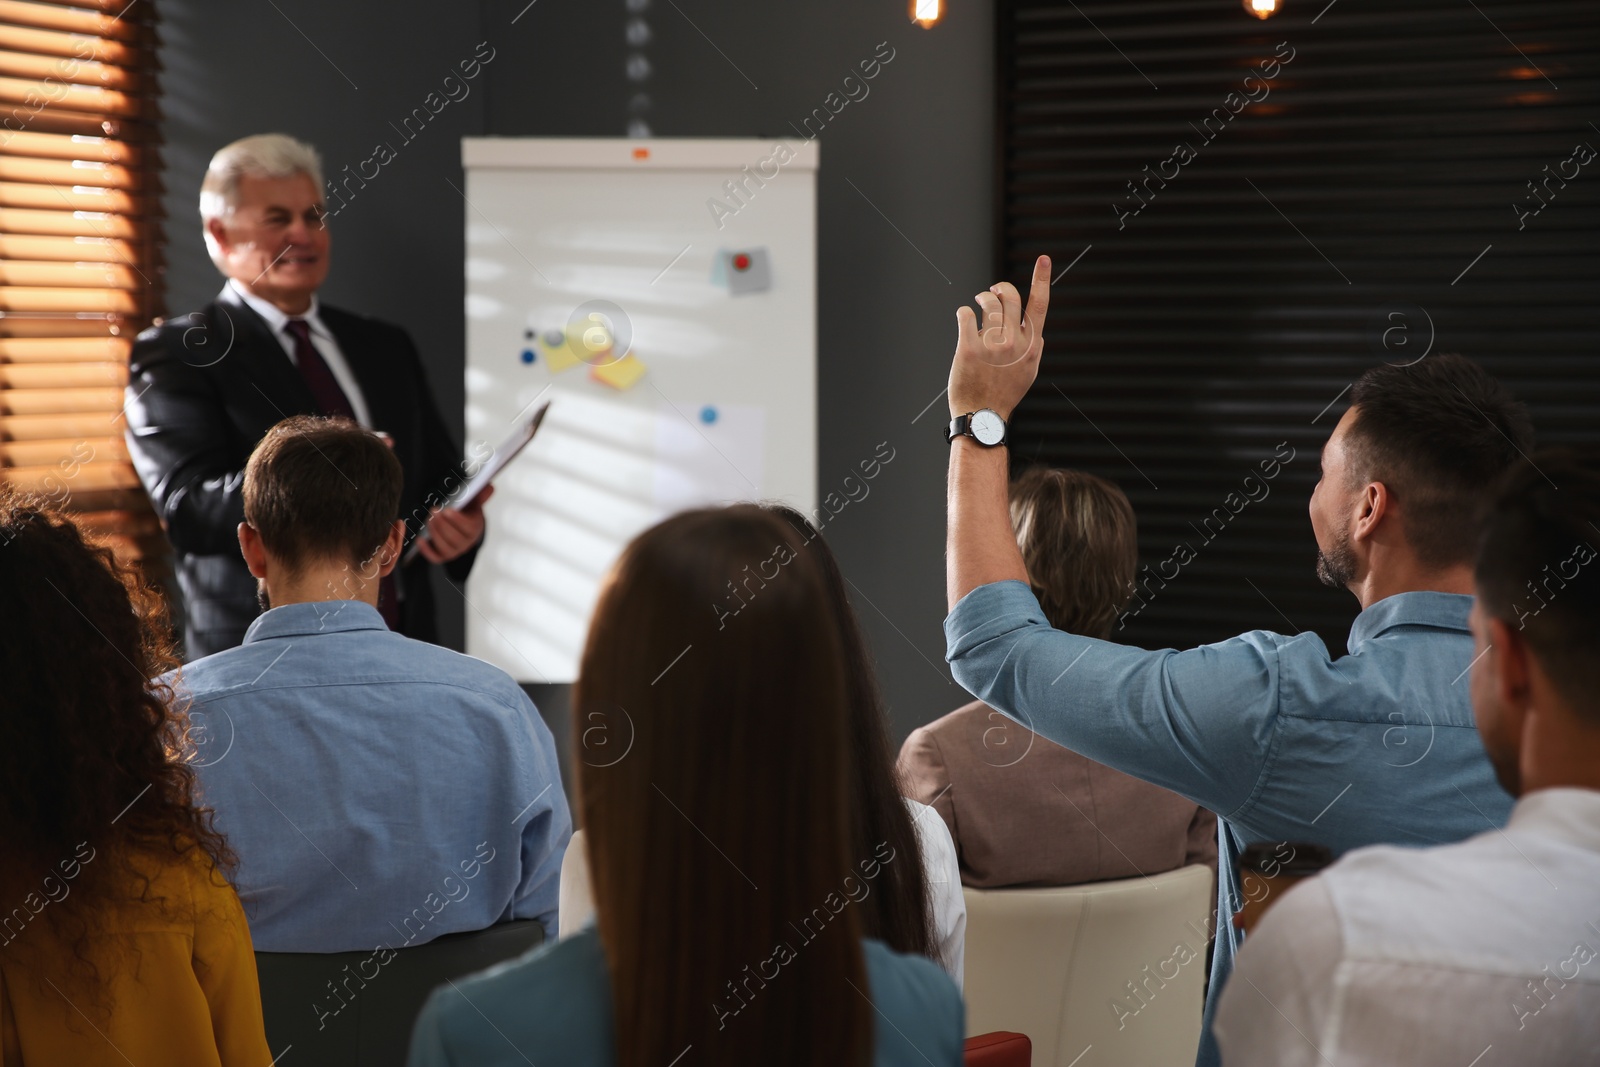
(926, 12)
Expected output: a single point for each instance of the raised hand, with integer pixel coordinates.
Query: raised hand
(995, 365)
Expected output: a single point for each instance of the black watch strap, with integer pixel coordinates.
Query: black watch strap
(961, 426)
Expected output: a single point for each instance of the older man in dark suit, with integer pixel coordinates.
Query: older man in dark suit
(204, 388)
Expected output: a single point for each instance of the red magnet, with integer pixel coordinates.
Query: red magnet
(741, 262)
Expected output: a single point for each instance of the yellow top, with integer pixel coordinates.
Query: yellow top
(177, 982)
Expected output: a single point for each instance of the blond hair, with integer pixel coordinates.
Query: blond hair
(1079, 542)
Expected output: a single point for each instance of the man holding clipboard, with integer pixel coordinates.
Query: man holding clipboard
(205, 387)
(444, 531)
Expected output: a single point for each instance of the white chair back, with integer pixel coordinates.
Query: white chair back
(576, 902)
(1104, 973)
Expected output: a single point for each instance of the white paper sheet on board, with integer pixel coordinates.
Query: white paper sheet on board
(700, 462)
(725, 410)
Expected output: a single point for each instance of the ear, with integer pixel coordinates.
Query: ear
(255, 554)
(1512, 667)
(219, 234)
(1371, 507)
(389, 551)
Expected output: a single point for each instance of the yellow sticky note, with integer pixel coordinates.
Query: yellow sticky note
(622, 374)
(558, 357)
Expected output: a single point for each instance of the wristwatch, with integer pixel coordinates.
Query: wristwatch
(984, 426)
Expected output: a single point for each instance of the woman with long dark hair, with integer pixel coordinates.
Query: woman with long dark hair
(919, 907)
(729, 892)
(120, 938)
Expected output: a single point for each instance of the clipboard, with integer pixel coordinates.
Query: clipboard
(468, 494)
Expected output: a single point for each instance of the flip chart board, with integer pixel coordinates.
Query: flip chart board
(662, 295)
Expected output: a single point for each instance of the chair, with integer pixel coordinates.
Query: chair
(356, 1009)
(998, 1049)
(576, 902)
(1119, 966)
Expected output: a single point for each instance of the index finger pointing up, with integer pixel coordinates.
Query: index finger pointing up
(1039, 292)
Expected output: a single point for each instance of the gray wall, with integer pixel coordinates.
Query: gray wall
(905, 205)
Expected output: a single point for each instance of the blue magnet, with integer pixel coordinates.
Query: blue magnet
(527, 355)
(708, 414)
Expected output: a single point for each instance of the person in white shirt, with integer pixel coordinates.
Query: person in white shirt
(1485, 952)
(947, 905)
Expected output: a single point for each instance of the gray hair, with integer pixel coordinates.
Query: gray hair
(265, 155)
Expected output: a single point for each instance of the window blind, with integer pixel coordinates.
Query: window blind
(80, 266)
(1360, 185)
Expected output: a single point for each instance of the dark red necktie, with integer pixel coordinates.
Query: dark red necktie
(330, 400)
(314, 369)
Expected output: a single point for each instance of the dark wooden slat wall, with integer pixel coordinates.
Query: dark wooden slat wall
(1326, 227)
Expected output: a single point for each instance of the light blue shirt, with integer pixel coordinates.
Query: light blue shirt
(379, 791)
(1282, 741)
(553, 1006)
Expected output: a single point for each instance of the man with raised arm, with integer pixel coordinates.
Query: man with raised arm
(1283, 741)
(1433, 957)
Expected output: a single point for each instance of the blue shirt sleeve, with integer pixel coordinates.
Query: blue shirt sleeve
(546, 823)
(1199, 722)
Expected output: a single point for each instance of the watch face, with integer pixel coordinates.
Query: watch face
(988, 427)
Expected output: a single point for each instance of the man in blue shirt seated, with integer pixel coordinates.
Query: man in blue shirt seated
(1283, 741)
(379, 791)
(1432, 957)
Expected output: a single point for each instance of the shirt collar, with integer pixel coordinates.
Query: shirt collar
(1565, 813)
(1436, 611)
(272, 315)
(314, 617)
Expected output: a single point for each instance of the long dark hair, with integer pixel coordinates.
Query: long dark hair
(717, 810)
(897, 913)
(92, 771)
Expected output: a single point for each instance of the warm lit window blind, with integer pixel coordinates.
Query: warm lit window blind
(79, 252)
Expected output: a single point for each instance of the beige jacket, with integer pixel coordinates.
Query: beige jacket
(1025, 811)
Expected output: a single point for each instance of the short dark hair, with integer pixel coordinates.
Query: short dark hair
(1437, 433)
(321, 489)
(1080, 546)
(1537, 568)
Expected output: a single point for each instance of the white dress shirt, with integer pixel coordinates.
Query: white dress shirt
(1483, 953)
(942, 871)
(321, 337)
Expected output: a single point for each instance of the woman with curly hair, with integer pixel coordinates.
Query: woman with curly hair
(120, 938)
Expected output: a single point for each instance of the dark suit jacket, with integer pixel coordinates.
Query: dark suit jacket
(203, 390)
(1025, 811)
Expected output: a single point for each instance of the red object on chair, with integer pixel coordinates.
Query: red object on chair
(1001, 1048)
